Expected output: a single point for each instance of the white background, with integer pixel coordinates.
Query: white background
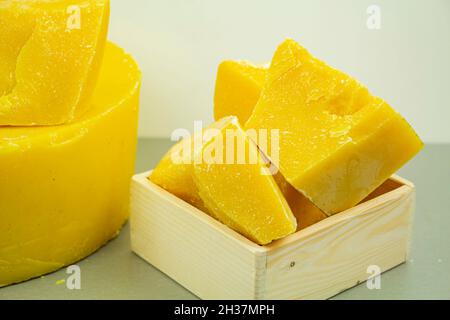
(179, 43)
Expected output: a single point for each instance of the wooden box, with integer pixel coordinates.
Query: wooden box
(215, 262)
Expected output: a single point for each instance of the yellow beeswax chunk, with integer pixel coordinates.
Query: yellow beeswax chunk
(238, 189)
(64, 190)
(337, 142)
(303, 209)
(50, 56)
(174, 172)
(238, 86)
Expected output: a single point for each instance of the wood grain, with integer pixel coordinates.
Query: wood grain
(333, 255)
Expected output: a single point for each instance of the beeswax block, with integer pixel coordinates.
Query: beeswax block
(337, 141)
(50, 56)
(64, 190)
(238, 86)
(236, 186)
(174, 172)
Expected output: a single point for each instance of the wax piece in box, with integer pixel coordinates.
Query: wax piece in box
(237, 187)
(337, 142)
(238, 87)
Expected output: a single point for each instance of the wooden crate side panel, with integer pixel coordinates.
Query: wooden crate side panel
(334, 254)
(192, 248)
(411, 223)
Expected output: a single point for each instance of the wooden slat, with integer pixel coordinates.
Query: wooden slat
(333, 255)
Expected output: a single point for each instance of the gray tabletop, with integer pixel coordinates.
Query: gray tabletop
(114, 272)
